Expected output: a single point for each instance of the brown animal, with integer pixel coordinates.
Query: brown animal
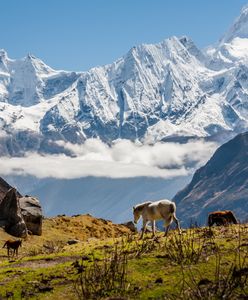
(219, 218)
(10, 244)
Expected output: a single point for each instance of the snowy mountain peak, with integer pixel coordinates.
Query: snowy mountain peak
(3, 61)
(169, 90)
(191, 48)
(3, 54)
(30, 56)
(232, 48)
(39, 66)
(244, 9)
(239, 29)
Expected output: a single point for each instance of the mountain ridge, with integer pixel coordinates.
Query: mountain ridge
(170, 89)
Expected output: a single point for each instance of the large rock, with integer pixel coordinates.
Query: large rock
(18, 214)
(10, 214)
(32, 214)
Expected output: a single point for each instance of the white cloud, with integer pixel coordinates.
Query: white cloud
(122, 160)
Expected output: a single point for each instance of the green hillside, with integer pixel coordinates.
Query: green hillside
(86, 258)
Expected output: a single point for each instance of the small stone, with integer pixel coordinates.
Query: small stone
(45, 288)
(72, 242)
(159, 280)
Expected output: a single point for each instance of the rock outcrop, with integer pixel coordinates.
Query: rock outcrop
(10, 214)
(32, 214)
(19, 215)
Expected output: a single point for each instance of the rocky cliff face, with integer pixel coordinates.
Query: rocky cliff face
(221, 184)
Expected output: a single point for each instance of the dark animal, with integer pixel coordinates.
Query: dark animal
(10, 244)
(220, 218)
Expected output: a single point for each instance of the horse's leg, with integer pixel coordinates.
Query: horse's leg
(178, 223)
(167, 223)
(167, 229)
(144, 228)
(153, 228)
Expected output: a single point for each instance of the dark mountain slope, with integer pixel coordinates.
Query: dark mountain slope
(221, 184)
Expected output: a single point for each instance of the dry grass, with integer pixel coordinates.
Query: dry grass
(58, 230)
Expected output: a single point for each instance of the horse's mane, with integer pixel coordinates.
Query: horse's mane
(142, 205)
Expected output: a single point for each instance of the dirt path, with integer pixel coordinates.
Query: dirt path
(40, 263)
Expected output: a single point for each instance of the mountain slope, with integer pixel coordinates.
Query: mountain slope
(221, 184)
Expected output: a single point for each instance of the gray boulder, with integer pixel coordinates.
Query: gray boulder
(32, 214)
(19, 215)
(10, 214)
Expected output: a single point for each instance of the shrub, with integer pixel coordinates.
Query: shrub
(185, 248)
(102, 277)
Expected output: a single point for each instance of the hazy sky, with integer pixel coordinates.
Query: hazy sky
(79, 34)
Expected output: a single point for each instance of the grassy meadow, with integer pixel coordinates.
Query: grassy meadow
(82, 257)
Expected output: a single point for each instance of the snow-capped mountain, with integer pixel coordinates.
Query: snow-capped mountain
(155, 92)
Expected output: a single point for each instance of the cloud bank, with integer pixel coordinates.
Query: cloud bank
(124, 159)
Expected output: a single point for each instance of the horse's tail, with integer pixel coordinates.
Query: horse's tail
(5, 244)
(172, 208)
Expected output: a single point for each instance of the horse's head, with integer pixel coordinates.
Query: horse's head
(136, 214)
(231, 217)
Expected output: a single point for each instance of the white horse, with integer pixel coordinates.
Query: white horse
(159, 210)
